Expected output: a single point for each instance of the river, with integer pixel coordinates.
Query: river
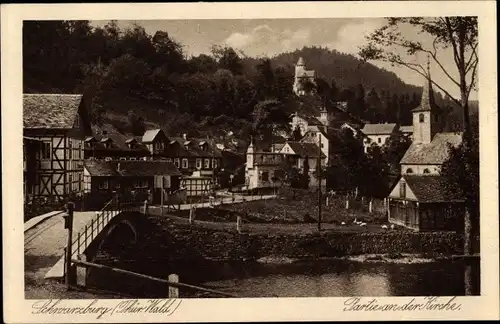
(322, 278)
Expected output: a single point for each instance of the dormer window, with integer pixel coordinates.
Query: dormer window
(426, 171)
(106, 141)
(410, 171)
(421, 118)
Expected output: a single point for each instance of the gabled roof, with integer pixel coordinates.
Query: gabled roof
(131, 140)
(303, 149)
(406, 129)
(192, 147)
(118, 140)
(150, 135)
(51, 111)
(131, 168)
(432, 189)
(436, 152)
(100, 168)
(378, 129)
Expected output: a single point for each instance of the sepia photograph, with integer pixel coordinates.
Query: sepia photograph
(174, 159)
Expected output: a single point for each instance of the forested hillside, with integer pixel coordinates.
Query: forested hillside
(135, 80)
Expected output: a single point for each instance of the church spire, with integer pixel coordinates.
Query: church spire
(427, 102)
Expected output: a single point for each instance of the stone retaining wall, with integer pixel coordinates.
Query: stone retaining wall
(193, 242)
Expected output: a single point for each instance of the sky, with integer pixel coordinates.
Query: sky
(268, 37)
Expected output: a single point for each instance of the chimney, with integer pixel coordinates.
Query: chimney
(184, 136)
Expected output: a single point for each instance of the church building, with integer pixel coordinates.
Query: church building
(422, 199)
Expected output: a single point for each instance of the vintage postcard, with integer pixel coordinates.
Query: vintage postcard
(250, 161)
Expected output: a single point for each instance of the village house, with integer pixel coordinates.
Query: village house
(264, 168)
(109, 144)
(59, 122)
(422, 199)
(406, 131)
(32, 150)
(104, 179)
(377, 133)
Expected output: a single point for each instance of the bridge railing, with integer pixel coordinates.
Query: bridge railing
(86, 236)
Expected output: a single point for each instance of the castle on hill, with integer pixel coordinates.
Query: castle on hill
(302, 77)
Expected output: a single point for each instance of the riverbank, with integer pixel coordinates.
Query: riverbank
(221, 242)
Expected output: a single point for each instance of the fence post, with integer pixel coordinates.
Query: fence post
(69, 225)
(145, 207)
(370, 206)
(173, 292)
(191, 215)
(238, 224)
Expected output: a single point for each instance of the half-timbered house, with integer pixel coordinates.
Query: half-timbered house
(103, 179)
(60, 122)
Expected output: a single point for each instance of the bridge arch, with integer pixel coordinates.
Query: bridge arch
(119, 236)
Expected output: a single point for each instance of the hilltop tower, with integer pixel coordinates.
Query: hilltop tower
(302, 75)
(426, 121)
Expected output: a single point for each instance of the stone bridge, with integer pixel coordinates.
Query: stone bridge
(112, 229)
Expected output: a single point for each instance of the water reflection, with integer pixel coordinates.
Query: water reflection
(332, 278)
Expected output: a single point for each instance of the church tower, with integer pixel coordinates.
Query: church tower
(426, 121)
(250, 155)
(300, 68)
(324, 117)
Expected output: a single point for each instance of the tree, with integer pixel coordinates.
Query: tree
(265, 79)
(375, 108)
(296, 134)
(305, 173)
(456, 33)
(269, 116)
(136, 123)
(228, 59)
(394, 149)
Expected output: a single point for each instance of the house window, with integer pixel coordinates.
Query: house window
(117, 186)
(426, 171)
(70, 149)
(421, 118)
(402, 190)
(103, 185)
(214, 163)
(206, 164)
(409, 170)
(141, 184)
(379, 140)
(46, 150)
(184, 163)
(133, 159)
(123, 159)
(177, 162)
(265, 176)
(322, 146)
(169, 160)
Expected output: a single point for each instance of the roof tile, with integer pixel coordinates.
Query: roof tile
(432, 189)
(378, 129)
(436, 152)
(50, 110)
